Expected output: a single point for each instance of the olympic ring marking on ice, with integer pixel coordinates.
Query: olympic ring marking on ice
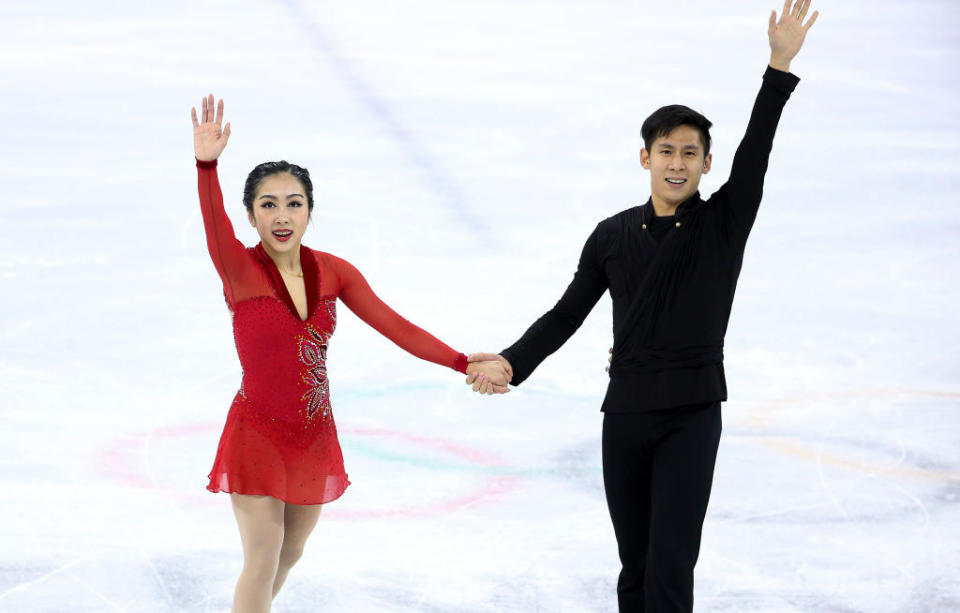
(115, 462)
(818, 456)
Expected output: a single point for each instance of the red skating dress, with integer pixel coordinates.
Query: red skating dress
(280, 439)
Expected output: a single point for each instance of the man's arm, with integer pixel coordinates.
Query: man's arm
(744, 188)
(552, 330)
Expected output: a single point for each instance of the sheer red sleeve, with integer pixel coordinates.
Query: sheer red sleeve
(229, 256)
(359, 298)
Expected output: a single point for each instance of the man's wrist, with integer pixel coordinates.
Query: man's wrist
(779, 63)
(509, 368)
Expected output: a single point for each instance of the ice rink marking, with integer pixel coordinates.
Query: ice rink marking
(439, 180)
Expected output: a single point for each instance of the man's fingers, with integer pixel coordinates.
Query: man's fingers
(786, 9)
(813, 18)
(773, 22)
(481, 357)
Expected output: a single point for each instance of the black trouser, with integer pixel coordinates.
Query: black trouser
(657, 472)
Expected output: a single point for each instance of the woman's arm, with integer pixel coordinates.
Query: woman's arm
(360, 298)
(228, 253)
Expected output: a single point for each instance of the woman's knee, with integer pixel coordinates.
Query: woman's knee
(261, 564)
(290, 554)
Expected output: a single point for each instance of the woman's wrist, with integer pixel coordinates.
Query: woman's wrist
(460, 363)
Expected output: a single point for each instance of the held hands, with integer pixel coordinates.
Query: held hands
(208, 139)
(786, 36)
(488, 373)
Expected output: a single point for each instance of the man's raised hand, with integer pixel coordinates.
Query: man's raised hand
(208, 138)
(787, 34)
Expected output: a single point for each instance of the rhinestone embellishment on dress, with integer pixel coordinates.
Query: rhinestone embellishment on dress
(313, 356)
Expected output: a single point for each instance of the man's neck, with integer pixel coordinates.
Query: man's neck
(663, 209)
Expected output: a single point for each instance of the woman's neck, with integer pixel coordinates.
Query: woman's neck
(288, 261)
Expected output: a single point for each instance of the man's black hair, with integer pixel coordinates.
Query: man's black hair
(665, 119)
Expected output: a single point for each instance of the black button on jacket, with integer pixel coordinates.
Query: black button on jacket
(672, 297)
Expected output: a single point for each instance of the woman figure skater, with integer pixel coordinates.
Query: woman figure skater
(279, 457)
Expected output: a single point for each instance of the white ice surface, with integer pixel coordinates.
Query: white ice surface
(462, 152)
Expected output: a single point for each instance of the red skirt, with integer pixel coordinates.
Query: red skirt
(260, 455)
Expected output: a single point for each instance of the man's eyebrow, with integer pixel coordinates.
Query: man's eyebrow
(669, 146)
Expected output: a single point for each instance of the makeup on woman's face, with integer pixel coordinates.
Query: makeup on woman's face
(280, 212)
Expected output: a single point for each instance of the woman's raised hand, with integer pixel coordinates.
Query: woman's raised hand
(208, 139)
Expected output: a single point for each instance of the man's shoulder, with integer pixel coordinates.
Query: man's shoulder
(621, 221)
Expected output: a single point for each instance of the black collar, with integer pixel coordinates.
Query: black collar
(686, 207)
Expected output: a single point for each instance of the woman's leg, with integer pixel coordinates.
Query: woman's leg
(298, 523)
(260, 520)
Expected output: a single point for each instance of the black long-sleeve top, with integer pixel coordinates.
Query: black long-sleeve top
(672, 288)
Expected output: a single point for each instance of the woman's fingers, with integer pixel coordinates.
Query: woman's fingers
(220, 111)
(226, 133)
(193, 115)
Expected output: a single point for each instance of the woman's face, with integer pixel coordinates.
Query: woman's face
(280, 212)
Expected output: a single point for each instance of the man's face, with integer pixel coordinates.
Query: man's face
(676, 162)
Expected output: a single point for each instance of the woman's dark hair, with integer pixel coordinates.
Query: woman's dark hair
(663, 121)
(262, 171)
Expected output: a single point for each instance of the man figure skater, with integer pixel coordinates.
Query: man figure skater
(671, 266)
